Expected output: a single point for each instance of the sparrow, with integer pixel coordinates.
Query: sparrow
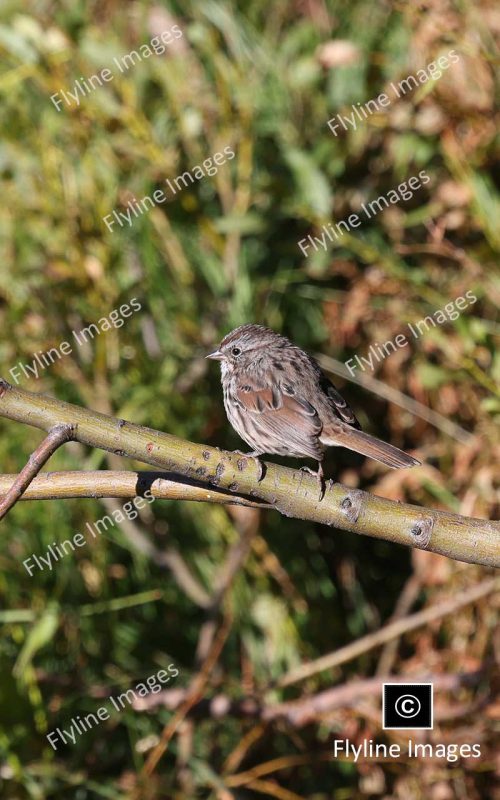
(278, 399)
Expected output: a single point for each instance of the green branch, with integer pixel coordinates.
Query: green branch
(291, 492)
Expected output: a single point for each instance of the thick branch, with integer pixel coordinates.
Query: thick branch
(291, 492)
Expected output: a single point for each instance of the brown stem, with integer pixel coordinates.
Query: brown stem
(56, 436)
(238, 552)
(388, 632)
(192, 696)
(400, 399)
(123, 484)
(308, 709)
(168, 558)
(405, 601)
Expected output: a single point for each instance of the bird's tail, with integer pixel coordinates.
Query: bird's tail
(367, 445)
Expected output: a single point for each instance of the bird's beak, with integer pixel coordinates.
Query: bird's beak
(216, 355)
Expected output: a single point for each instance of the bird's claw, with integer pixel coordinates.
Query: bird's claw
(320, 477)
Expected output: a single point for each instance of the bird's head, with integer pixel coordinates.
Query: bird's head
(244, 344)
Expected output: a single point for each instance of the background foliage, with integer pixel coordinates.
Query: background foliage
(264, 79)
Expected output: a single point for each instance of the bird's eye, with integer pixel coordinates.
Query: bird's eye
(236, 351)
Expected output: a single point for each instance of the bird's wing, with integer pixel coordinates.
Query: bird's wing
(337, 404)
(283, 413)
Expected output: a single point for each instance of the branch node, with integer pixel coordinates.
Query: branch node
(350, 505)
(219, 471)
(63, 431)
(421, 532)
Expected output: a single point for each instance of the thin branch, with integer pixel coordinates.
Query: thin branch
(168, 558)
(398, 398)
(291, 492)
(309, 709)
(193, 695)
(277, 764)
(99, 484)
(248, 740)
(56, 436)
(390, 631)
(234, 560)
(306, 710)
(405, 601)
(273, 789)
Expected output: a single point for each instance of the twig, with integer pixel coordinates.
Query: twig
(405, 601)
(389, 632)
(169, 558)
(193, 695)
(127, 484)
(248, 740)
(56, 436)
(235, 558)
(276, 764)
(398, 398)
(444, 249)
(272, 789)
(309, 709)
(290, 492)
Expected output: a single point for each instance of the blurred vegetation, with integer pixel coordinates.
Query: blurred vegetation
(264, 79)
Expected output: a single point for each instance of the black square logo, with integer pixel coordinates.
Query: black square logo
(407, 705)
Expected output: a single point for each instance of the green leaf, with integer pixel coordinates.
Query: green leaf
(312, 186)
(40, 634)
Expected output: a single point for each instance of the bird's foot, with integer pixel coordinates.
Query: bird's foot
(320, 477)
(255, 456)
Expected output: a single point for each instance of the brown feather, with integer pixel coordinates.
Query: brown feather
(338, 405)
(279, 401)
(290, 420)
(360, 442)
